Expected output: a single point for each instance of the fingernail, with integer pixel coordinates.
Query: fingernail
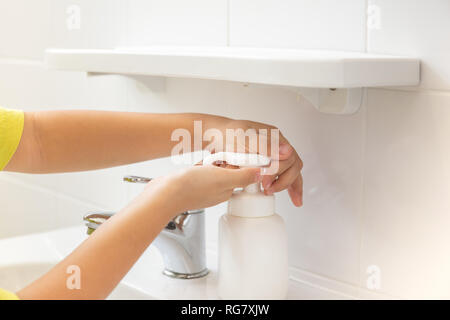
(284, 148)
(299, 201)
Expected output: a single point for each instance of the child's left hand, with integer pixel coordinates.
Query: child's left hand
(288, 175)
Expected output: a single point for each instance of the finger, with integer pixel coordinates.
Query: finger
(284, 165)
(285, 150)
(285, 180)
(267, 180)
(280, 151)
(263, 144)
(229, 166)
(220, 164)
(295, 191)
(239, 178)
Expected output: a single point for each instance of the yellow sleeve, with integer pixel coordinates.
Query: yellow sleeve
(11, 127)
(6, 295)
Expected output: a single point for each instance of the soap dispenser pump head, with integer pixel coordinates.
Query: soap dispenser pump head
(238, 159)
(241, 160)
(253, 188)
(250, 202)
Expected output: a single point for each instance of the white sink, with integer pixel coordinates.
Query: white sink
(15, 277)
(25, 258)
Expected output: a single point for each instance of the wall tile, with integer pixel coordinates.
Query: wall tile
(177, 22)
(107, 92)
(86, 24)
(407, 188)
(414, 28)
(323, 24)
(147, 94)
(24, 28)
(32, 86)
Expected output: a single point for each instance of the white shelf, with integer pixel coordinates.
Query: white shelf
(298, 68)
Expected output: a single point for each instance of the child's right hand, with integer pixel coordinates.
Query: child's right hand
(119, 242)
(199, 187)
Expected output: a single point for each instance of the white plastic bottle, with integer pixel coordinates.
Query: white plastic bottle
(253, 254)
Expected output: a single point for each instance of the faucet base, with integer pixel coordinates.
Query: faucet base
(186, 276)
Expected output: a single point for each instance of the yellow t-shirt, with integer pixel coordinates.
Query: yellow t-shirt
(6, 295)
(11, 127)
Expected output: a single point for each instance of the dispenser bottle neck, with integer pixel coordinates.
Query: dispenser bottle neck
(253, 188)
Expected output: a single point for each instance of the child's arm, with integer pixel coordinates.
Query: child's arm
(107, 255)
(62, 141)
(79, 140)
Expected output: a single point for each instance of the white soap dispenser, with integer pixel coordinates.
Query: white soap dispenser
(253, 254)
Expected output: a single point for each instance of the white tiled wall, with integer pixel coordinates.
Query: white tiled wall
(177, 22)
(24, 28)
(324, 24)
(407, 188)
(86, 23)
(415, 28)
(376, 182)
(407, 181)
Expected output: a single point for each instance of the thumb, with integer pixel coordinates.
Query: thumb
(243, 177)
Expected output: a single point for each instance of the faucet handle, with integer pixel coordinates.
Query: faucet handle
(136, 179)
(177, 221)
(95, 220)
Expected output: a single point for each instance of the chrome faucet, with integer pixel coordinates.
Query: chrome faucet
(181, 242)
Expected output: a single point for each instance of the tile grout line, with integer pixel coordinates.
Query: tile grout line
(22, 61)
(322, 288)
(414, 90)
(362, 215)
(363, 157)
(228, 21)
(366, 29)
(334, 286)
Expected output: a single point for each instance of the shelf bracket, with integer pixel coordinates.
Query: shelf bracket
(334, 101)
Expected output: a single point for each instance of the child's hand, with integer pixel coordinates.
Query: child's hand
(200, 186)
(289, 163)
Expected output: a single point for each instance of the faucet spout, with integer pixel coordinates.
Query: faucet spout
(182, 246)
(181, 243)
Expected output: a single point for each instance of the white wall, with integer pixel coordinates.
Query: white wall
(377, 183)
